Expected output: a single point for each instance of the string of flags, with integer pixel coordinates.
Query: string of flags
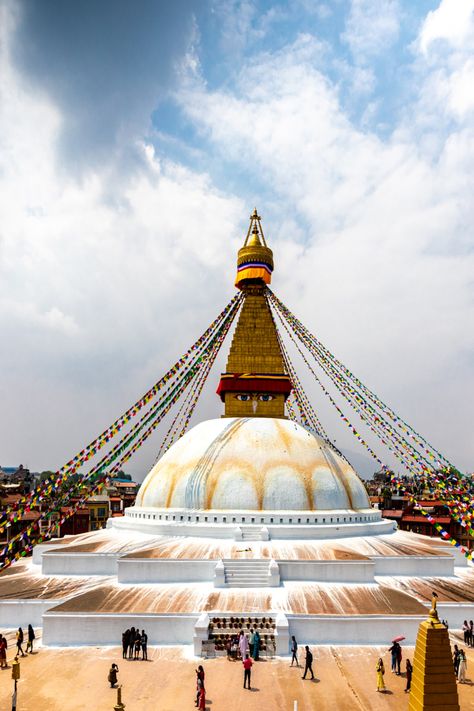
(203, 353)
(408, 446)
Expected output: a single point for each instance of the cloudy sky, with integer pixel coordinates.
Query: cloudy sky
(136, 138)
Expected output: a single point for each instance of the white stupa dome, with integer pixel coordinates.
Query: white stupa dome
(260, 464)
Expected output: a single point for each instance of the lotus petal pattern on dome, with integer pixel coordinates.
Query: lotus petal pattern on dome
(257, 464)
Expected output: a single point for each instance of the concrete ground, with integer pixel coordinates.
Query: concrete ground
(76, 678)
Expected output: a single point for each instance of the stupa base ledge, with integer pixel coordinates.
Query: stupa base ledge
(92, 629)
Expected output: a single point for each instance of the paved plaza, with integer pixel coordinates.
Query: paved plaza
(76, 679)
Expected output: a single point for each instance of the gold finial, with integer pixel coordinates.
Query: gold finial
(433, 613)
(255, 236)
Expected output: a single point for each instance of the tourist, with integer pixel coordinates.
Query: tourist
(234, 648)
(112, 677)
(462, 667)
(467, 632)
(137, 645)
(308, 663)
(202, 699)
(247, 662)
(256, 645)
(144, 644)
(131, 646)
(471, 633)
(31, 639)
(19, 642)
(456, 659)
(251, 640)
(3, 652)
(125, 643)
(409, 669)
(199, 683)
(243, 645)
(396, 650)
(380, 669)
(399, 659)
(294, 651)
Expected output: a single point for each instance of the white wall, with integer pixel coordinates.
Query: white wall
(161, 570)
(55, 563)
(329, 571)
(356, 629)
(455, 612)
(75, 629)
(414, 566)
(21, 613)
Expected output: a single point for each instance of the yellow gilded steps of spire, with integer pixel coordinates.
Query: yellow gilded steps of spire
(433, 686)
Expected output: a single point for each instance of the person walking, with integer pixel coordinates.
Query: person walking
(144, 644)
(462, 666)
(125, 643)
(380, 669)
(294, 651)
(3, 652)
(471, 633)
(202, 699)
(112, 677)
(19, 642)
(409, 669)
(456, 659)
(308, 663)
(31, 639)
(199, 683)
(256, 645)
(243, 645)
(247, 662)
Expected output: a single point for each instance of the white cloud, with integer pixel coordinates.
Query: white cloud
(384, 273)
(445, 63)
(371, 27)
(103, 282)
(452, 21)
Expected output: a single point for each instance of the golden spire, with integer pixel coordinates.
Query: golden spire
(255, 383)
(255, 237)
(255, 258)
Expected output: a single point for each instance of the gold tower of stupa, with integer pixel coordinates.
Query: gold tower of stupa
(433, 686)
(255, 383)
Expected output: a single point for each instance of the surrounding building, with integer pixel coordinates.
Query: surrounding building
(399, 507)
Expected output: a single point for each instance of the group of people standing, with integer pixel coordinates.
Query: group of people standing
(396, 659)
(468, 632)
(241, 645)
(460, 664)
(20, 639)
(134, 641)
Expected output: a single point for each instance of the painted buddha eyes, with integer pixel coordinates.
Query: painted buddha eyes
(245, 397)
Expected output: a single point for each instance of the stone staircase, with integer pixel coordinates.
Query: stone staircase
(251, 533)
(246, 573)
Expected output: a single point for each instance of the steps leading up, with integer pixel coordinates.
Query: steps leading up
(247, 573)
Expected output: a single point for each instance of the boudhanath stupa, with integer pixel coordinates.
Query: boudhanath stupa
(247, 519)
